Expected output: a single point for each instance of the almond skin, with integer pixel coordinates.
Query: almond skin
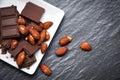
(61, 51)
(45, 69)
(85, 46)
(42, 37)
(47, 36)
(14, 44)
(34, 33)
(44, 47)
(21, 21)
(20, 58)
(47, 25)
(37, 27)
(22, 29)
(31, 39)
(65, 40)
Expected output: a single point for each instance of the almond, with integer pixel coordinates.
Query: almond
(20, 58)
(31, 39)
(21, 21)
(44, 47)
(35, 26)
(42, 37)
(61, 51)
(22, 29)
(85, 46)
(65, 40)
(34, 33)
(47, 25)
(14, 44)
(47, 36)
(45, 69)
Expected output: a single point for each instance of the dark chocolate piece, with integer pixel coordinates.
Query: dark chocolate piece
(33, 12)
(4, 51)
(25, 46)
(28, 61)
(8, 22)
(6, 43)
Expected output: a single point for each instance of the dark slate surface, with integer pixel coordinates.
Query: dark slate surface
(94, 21)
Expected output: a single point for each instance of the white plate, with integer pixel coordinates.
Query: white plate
(52, 13)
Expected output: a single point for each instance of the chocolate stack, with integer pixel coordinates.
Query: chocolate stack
(16, 32)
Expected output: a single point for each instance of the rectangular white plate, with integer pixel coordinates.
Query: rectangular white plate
(52, 13)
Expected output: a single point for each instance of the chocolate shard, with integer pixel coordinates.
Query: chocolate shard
(6, 43)
(8, 23)
(33, 12)
(28, 61)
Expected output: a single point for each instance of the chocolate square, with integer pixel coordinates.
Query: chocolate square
(33, 12)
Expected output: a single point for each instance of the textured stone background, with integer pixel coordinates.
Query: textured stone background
(94, 21)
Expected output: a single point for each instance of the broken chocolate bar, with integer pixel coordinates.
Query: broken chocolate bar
(8, 22)
(33, 12)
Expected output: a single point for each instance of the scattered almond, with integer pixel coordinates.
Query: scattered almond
(85, 46)
(34, 33)
(31, 39)
(45, 69)
(42, 37)
(20, 58)
(22, 29)
(61, 51)
(47, 25)
(21, 21)
(14, 44)
(44, 47)
(47, 36)
(65, 40)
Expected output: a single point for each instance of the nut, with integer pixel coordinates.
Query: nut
(45, 69)
(61, 51)
(65, 40)
(47, 25)
(42, 37)
(34, 33)
(85, 46)
(47, 36)
(31, 39)
(44, 47)
(35, 26)
(14, 44)
(22, 29)
(20, 58)
(21, 21)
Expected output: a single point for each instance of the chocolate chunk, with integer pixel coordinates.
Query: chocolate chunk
(28, 61)
(25, 46)
(33, 12)
(8, 22)
(6, 44)
(4, 51)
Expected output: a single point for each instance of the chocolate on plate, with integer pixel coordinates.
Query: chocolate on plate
(33, 12)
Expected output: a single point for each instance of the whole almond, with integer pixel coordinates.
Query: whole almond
(34, 33)
(21, 21)
(61, 51)
(44, 47)
(31, 39)
(14, 44)
(85, 46)
(20, 58)
(22, 29)
(42, 37)
(35, 26)
(45, 69)
(47, 36)
(65, 40)
(47, 25)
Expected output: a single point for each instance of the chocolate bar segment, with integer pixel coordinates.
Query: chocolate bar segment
(33, 12)
(8, 22)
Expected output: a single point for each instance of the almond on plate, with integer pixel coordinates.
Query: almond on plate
(13, 44)
(31, 39)
(47, 36)
(65, 40)
(45, 69)
(34, 33)
(44, 47)
(47, 25)
(85, 46)
(20, 58)
(61, 51)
